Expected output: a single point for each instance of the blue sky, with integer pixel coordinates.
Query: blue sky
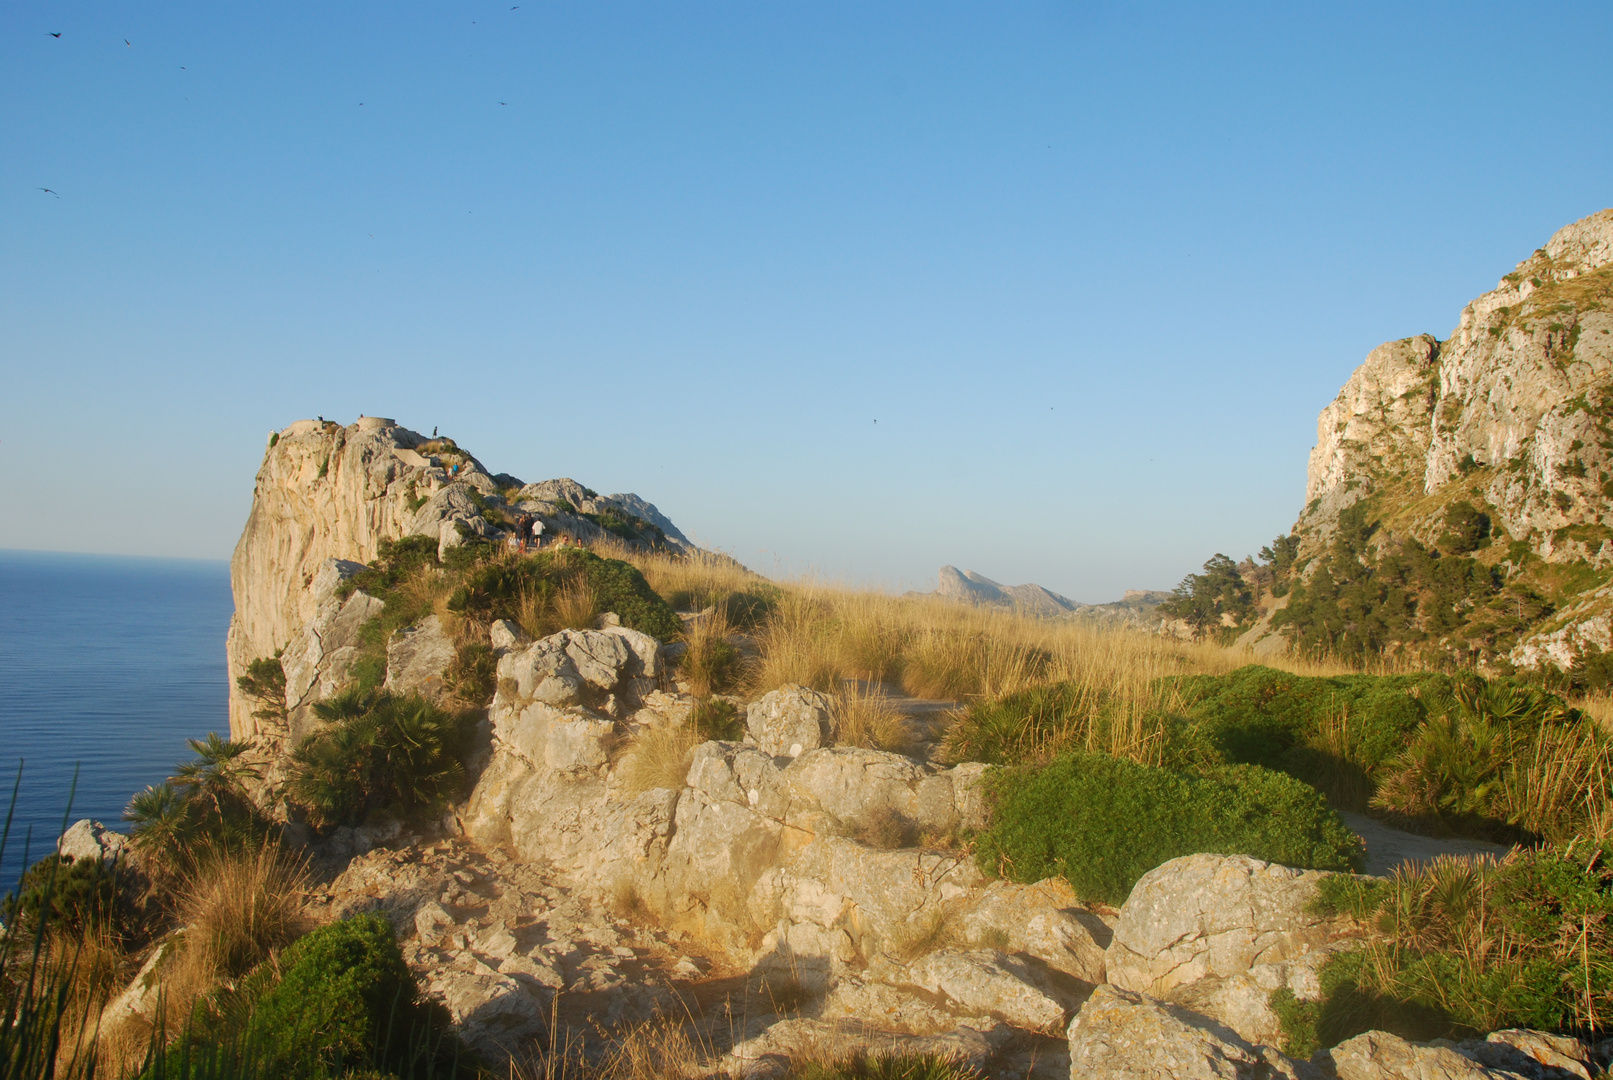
(1092, 268)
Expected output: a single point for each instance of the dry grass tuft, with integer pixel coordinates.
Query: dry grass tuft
(658, 757)
(240, 907)
(710, 662)
(576, 604)
(865, 716)
(923, 934)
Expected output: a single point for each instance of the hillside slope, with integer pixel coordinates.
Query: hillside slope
(1459, 490)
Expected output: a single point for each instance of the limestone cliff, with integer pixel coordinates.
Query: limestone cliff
(1512, 416)
(328, 496)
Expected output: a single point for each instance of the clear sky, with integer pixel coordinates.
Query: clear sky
(1050, 291)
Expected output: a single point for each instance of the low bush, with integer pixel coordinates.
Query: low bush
(70, 895)
(496, 587)
(205, 801)
(340, 1002)
(717, 718)
(710, 664)
(1497, 759)
(1470, 946)
(1102, 822)
(346, 999)
(265, 683)
(1043, 722)
(1256, 715)
(865, 716)
(378, 753)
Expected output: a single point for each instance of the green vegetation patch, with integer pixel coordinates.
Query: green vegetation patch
(1101, 822)
(340, 1002)
(495, 589)
(1469, 946)
(378, 753)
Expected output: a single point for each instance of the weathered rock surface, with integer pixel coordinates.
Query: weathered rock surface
(1214, 915)
(1378, 1055)
(989, 982)
(769, 1054)
(87, 840)
(1120, 1035)
(791, 720)
(319, 658)
(417, 659)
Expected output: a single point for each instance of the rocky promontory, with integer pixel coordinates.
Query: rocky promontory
(617, 855)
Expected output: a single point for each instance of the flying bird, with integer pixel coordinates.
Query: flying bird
(52, 33)
(47, 191)
(126, 42)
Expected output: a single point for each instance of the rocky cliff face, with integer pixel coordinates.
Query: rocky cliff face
(1512, 415)
(1509, 407)
(328, 496)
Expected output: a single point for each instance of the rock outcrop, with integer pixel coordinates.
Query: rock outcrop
(325, 500)
(1506, 421)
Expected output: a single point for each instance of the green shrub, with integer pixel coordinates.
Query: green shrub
(265, 683)
(340, 1002)
(493, 589)
(1042, 722)
(1101, 822)
(1256, 714)
(346, 999)
(207, 799)
(1470, 946)
(717, 718)
(377, 753)
(74, 895)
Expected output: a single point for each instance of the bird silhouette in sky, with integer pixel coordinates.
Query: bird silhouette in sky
(126, 42)
(52, 33)
(48, 191)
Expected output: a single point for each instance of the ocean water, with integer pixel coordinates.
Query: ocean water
(107, 664)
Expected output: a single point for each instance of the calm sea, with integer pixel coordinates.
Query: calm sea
(107, 664)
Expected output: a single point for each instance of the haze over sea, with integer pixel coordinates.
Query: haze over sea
(107, 663)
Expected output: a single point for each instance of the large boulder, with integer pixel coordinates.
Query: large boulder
(791, 720)
(87, 840)
(1214, 915)
(1120, 1035)
(599, 668)
(1378, 1055)
(861, 787)
(770, 1053)
(987, 981)
(1045, 920)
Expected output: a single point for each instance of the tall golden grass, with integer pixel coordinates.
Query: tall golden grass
(832, 637)
(241, 906)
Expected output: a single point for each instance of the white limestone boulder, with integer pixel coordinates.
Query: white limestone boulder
(1120, 1035)
(791, 720)
(1214, 915)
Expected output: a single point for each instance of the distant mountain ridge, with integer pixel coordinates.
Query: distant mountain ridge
(968, 587)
